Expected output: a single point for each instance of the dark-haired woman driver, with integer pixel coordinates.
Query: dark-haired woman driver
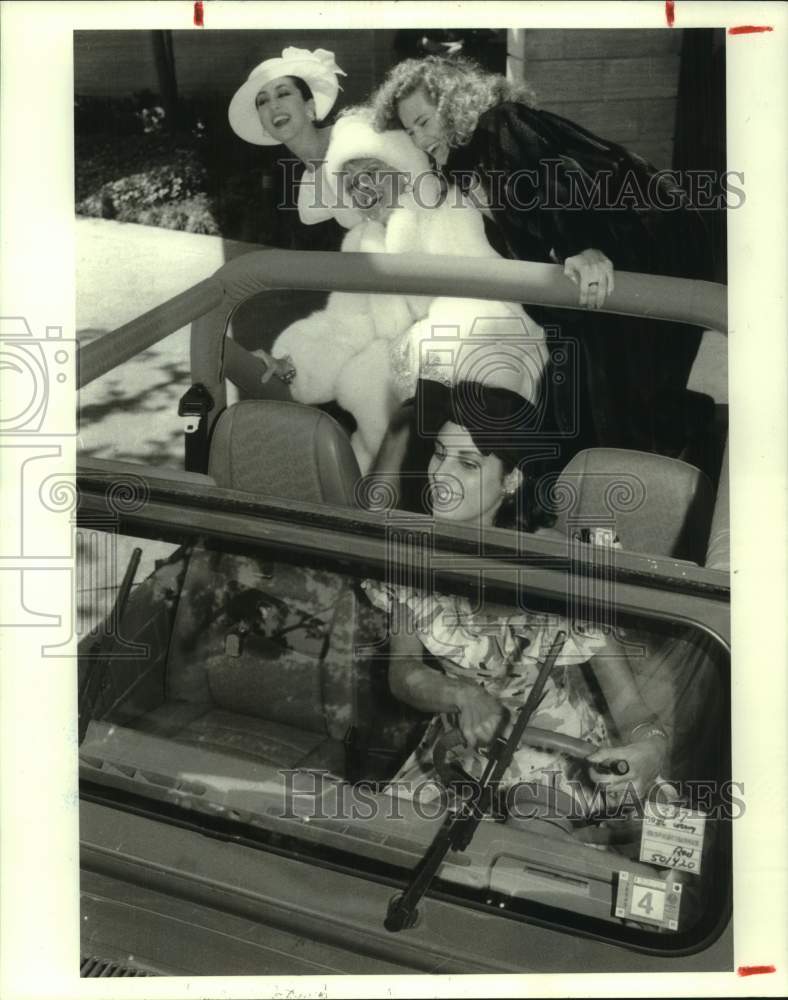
(474, 666)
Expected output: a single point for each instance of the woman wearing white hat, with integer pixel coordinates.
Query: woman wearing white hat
(282, 102)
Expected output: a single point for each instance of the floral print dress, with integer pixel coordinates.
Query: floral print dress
(502, 655)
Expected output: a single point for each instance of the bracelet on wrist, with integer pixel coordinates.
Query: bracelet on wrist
(646, 730)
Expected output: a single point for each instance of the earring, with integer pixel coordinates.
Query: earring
(511, 485)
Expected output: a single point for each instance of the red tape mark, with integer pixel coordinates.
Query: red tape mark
(198, 18)
(754, 970)
(670, 12)
(748, 29)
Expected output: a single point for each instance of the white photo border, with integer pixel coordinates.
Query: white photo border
(39, 908)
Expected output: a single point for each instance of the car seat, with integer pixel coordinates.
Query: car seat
(656, 505)
(661, 506)
(718, 554)
(282, 449)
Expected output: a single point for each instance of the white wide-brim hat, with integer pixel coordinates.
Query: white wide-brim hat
(318, 71)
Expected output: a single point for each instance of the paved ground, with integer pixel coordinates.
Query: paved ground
(130, 414)
(122, 271)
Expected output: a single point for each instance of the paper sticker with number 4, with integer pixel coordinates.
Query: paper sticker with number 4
(672, 837)
(648, 900)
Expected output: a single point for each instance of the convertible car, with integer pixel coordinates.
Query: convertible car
(238, 738)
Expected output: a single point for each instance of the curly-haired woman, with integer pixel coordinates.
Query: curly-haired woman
(558, 193)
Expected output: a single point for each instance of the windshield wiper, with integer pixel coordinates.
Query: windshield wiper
(462, 822)
(91, 687)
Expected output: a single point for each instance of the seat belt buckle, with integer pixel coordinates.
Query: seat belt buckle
(194, 405)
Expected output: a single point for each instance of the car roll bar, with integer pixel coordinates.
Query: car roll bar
(210, 303)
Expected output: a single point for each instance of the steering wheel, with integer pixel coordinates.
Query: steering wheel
(540, 739)
(543, 802)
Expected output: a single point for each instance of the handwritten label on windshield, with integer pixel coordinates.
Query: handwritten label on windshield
(673, 838)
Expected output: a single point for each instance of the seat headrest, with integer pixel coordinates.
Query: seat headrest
(718, 553)
(658, 505)
(285, 450)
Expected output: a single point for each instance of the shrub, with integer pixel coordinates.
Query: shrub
(190, 215)
(159, 182)
(129, 166)
(102, 115)
(170, 182)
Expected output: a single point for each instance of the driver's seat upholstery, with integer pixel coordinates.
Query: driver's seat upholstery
(286, 450)
(657, 505)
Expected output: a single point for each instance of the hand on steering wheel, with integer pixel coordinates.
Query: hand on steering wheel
(608, 760)
(593, 272)
(646, 760)
(480, 715)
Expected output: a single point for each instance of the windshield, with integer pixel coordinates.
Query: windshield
(274, 695)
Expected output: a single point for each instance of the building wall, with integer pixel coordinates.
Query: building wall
(621, 84)
(113, 63)
(215, 63)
